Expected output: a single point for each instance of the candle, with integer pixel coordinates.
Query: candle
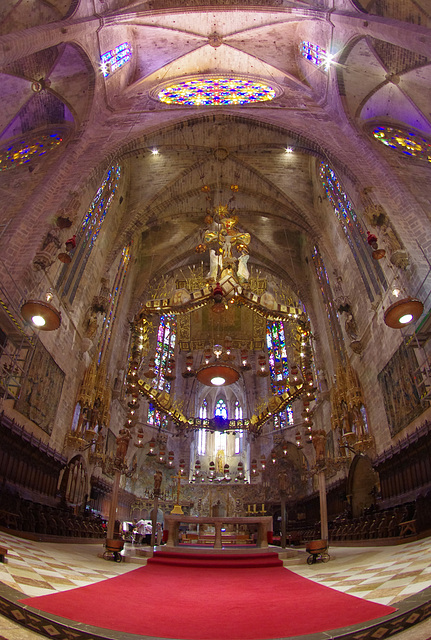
(263, 507)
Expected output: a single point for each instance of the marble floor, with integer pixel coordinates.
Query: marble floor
(385, 575)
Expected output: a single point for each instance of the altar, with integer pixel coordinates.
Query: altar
(263, 525)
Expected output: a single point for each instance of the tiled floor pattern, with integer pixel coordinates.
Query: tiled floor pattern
(382, 574)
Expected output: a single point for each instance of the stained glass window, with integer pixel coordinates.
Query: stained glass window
(22, 151)
(278, 368)
(404, 141)
(217, 91)
(328, 300)
(354, 232)
(221, 409)
(115, 59)
(164, 351)
(88, 233)
(114, 298)
(165, 348)
(156, 418)
(314, 54)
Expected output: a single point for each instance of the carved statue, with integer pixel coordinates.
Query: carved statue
(214, 265)
(351, 327)
(122, 446)
(243, 272)
(91, 325)
(158, 477)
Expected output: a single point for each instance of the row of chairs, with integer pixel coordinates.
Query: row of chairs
(387, 523)
(24, 515)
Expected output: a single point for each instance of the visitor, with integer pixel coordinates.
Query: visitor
(148, 532)
(140, 531)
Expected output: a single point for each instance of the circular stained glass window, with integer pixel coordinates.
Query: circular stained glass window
(404, 141)
(216, 91)
(25, 149)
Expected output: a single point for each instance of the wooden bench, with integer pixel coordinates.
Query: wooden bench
(3, 552)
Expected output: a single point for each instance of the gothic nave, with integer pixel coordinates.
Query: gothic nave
(215, 283)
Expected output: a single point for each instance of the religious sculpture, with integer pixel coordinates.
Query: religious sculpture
(158, 477)
(243, 272)
(214, 265)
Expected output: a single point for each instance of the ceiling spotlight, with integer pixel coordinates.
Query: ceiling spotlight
(403, 312)
(41, 314)
(155, 152)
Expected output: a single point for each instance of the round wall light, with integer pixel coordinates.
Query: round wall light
(403, 312)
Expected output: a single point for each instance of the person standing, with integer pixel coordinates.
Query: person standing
(140, 527)
(148, 532)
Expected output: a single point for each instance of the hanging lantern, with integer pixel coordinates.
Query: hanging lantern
(263, 461)
(207, 354)
(182, 467)
(152, 447)
(254, 466)
(245, 365)
(150, 373)
(171, 458)
(262, 371)
(212, 469)
(162, 453)
(240, 469)
(189, 373)
(197, 467)
(140, 436)
(274, 456)
(294, 370)
(285, 448)
(298, 440)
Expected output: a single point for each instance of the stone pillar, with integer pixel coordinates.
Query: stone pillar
(323, 506)
(113, 505)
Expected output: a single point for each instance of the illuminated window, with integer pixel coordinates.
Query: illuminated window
(156, 418)
(115, 59)
(88, 234)
(203, 411)
(314, 54)
(239, 435)
(220, 441)
(278, 368)
(404, 141)
(164, 351)
(33, 146)
(354, 232)
(217, 91)
(114, 299)
(201, 442)
(221, 409)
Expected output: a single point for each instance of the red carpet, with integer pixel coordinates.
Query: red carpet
(200, 603)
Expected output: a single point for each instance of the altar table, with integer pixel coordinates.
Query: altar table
(173, 521)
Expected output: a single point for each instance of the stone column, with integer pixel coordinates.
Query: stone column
(113, 505)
